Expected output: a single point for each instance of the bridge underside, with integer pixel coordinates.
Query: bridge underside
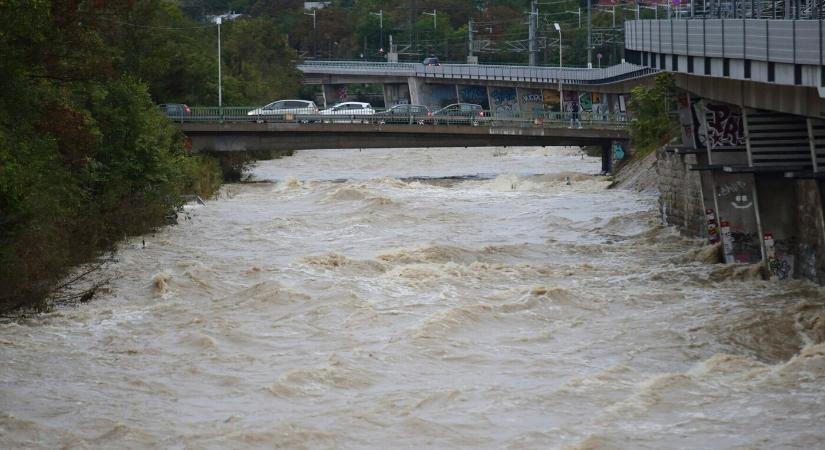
(290, 136)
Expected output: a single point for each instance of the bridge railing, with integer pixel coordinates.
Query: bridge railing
(585, 119)
(482, 72)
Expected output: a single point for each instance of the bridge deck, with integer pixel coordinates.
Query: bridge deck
(296, 136)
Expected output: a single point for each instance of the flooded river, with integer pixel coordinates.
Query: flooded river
(428, 298)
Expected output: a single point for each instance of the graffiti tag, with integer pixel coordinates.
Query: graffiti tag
(724, 126)
(732, 188)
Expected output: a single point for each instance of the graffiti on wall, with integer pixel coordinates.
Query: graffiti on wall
(531, 101)
(551, 100)
(722, 127)
(599, 103)
(586, 101)
(571, 101)
(439, 95)
(505, 102)
(343, 93)
(734, 195)
(779, 256)
(474, 94)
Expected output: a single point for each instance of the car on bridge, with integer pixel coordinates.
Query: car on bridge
(348, 112)
(459, 113)
(431, 61)
(176, 111)
(284, 109)
(405, 114)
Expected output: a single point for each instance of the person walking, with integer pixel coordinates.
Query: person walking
(575, 112)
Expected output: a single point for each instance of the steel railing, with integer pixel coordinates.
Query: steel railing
(481, 72)
(584, 119)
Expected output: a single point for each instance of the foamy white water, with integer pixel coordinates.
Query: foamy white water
(355, 302)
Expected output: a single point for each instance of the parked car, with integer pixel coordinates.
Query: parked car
(431, 61)
(176, 111)
(459, 113)
(405, 114)
(349, 111)
(282, 108)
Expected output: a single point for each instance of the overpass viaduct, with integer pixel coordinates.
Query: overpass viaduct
(751, 166)
(502, 89)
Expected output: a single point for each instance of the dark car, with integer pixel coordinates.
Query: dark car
(459, 113)
(176, 111)
(431, 61)
(404, 114)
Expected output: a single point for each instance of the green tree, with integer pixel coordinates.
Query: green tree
(654, 122)
(260, 66)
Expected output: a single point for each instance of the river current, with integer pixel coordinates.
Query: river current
(421, 298)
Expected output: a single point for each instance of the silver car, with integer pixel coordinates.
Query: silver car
(348, 112)
(281, 109)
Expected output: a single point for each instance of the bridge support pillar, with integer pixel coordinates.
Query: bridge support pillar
(414, 86)
(334, 93)
(607, 158)
(395, 94)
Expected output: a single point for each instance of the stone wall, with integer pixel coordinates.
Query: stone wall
(680, 193)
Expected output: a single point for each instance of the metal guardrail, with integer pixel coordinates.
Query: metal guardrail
(481, 72)
(526, 120)
(782, 41)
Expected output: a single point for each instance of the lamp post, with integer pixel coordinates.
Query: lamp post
(380, 15)
(314, 33)
(435, 16)
(561, 94)
(220, 94)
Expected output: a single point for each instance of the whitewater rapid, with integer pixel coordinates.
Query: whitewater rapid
(421, 298)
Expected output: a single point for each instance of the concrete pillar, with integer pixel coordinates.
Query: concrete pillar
(414, 86)
(736, 202)
(810, 224)
(607, 158)
(778, 212)
(395, 94)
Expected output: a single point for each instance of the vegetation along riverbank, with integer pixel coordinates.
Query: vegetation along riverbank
(86, 157)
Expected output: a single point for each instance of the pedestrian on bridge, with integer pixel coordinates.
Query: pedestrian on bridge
(575, 112)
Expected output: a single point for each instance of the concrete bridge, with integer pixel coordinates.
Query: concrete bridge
(216, 136)
(499, 88)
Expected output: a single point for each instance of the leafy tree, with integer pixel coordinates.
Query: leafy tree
(260, 66)
(654, 123)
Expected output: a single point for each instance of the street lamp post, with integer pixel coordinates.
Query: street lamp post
(561, 94)
(435, 16)
(314, 33)
(380, 15)
(220, 91)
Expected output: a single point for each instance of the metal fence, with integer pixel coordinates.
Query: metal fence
(783, 41)
(758, 9)
(481, 72)
(512, 120)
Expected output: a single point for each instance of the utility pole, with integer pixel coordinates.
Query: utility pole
(471, 59)
(470, 39)
(621, 23)
(380, 15)
(533, 29)
(589, 35)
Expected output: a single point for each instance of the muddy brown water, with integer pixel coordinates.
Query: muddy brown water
(356, 301)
